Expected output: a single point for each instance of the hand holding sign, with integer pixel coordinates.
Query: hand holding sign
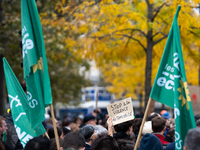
(121, 111)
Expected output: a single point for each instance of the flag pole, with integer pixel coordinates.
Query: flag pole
(47, 135)
(142, 125)
(54, 127)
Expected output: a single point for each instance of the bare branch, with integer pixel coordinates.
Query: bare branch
(133, 39)
(194, 33)
(156, 42)
(131, 30)
(164, 21)
(156, 10)
(147, 1)
(128, 40)
(100, 37)
(159, 33)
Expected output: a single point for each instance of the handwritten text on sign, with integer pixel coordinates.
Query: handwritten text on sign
(121, 111)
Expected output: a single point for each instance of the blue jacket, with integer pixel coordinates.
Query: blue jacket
(150, 142)
(170, 146)
(87, 146)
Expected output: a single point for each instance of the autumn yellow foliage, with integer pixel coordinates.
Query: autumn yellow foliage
(126, 38)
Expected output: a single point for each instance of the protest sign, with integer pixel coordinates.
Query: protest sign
(121, 111)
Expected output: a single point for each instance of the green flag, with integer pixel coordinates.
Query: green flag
(18, 100)
(34, 63)
(170, 86)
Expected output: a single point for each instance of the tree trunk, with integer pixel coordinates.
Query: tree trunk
(1, 11)
(2, 89)
(2, 79)
(148, 69)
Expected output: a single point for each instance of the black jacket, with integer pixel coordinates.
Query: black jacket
(12, 137)
(121, 135)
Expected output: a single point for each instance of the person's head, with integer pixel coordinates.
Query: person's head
(125, 144)
(38, 143)
(124, 127)
(192, 140)
(74, 140)
(23, 84)
(171, 133)
(89, 119)
(89, 133)
(73, 126)
(197, 116)
(53, 145)
(198, 123)
(3, 125)
(153, 115)
(136, 124)
(166, 115)
(51, 133)
(150, 141)
(77, 120)
(105, 142)
(100, 129)
(162, 112)
(158, 125)
(49, 121)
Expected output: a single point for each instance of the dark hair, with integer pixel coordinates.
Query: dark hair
(23, 84)
(171, 132)
(53, 145)
(197, 116)
(136, 124)
(105, 142)
(76, 118)
(125, 144)
(38, 143)
(123, 127)
(198, 122)
(65, 131)
(158, 124)
(51, 132)
(73, 140)
(153, 116)
(1, 119)
(192, 139)
(88, 118)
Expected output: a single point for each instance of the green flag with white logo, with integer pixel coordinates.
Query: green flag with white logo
(34, 63)
(170, 86)
(18, 100)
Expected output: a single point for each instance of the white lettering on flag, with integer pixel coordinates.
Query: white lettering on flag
(20, 116)
(15, 99)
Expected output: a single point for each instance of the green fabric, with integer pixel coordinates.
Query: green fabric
(170, 86)
(18, 100)
(34, 63)
(4, 136)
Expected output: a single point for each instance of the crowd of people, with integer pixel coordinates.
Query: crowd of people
(96, 132)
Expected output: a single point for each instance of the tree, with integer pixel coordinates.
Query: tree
(9, 43)
(126, 38)
(66, 82)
